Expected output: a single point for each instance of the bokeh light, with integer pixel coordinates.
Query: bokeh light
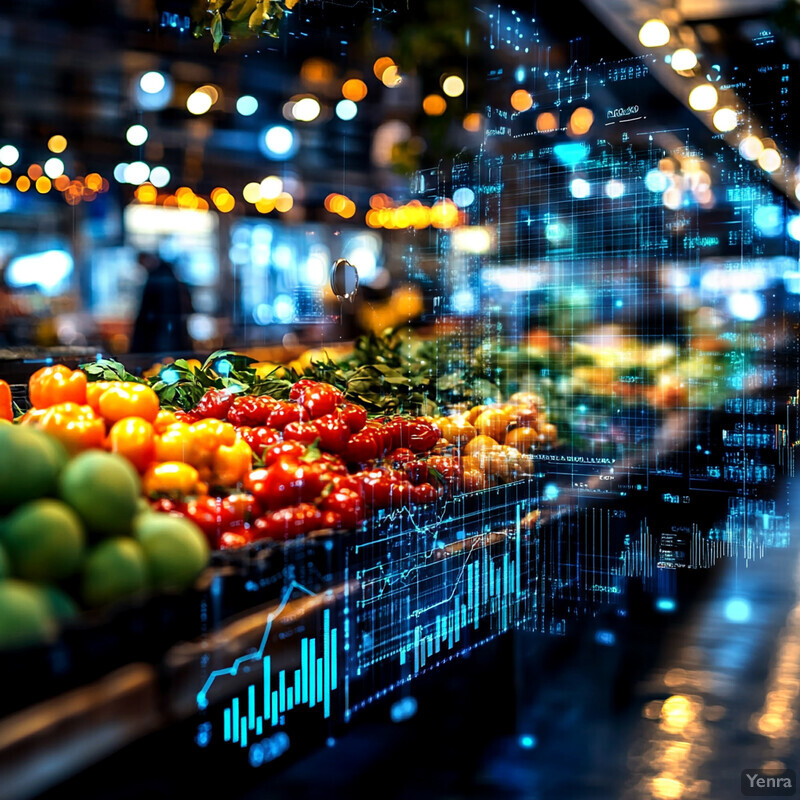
(9, 155)
(247, 105)
(434, 105)
(136, 135)
(57, 143)
(53, 167)
(346, 110)
(703, 97)
(354, 89)
(521, 100)
(453, 86)
(654, 33)
(683, 60)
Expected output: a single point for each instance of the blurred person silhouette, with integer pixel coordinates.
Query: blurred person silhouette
(164, 309)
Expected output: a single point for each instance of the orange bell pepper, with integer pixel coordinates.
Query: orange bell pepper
(232, 463)
(205, 437)
(93, 392)
(134, 438)
(172, 477)
(173, 444)
(33, 416)
(6, 409)
(59, 384)
(125, 399)
(163, 420)
(75, 426)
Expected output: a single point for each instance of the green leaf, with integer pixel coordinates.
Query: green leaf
(217, 30)
(108, 369)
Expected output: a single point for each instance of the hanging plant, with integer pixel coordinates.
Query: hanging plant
(240, 19)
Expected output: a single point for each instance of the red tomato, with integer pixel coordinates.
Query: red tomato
(424, 494)
(349, 482)
(284, 413)
(287, 523)
(400, 495)
(318, 400)
(355, 416)
(422, 435)
(305, 432)
(348, 504)
(396, 427)
(300, 386)
(214, 404)
(230, 540)
(205, 512)
(397, 458)
(378, 484)
(239, 509)
(331, 463)
(259, 438)
(384, 436)
(333, 432)
(417, 472)
(448, 467)
(287, 482)
(282, 450)
(252, 411)
(362, 446)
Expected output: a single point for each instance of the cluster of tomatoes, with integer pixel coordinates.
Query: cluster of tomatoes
(321, 465)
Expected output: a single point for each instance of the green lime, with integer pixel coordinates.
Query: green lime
(114, 569)
(62, 606)
(104, 489)
(25, 616)
(29, 464)
(44, 540)
(175, 548)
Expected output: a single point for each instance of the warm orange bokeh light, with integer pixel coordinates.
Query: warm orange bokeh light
(57, 144)
(5, 174)
(43, 184)
(317, 70)
(61, 182)
(546, 122)
(473, 122)
(521, 100)
(93, 181)
(284, 202)
(381, 65)
(434, 105)
(354, 89)
(581, 121)
(391, 77)
(23, 183)
(146, 193)
(35, 171)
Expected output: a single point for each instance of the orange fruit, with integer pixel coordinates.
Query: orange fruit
(524, 416)
(473, 480)
(493, 422)
(133, 438)
(456, 430)
(474, 413)
(526, 440)
(478, 444)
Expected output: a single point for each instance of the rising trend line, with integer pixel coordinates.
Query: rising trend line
(202, 701)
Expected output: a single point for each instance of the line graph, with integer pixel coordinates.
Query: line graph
(202, 695)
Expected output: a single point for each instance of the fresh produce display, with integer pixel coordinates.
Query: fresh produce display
(251, 454)
(75, 533)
